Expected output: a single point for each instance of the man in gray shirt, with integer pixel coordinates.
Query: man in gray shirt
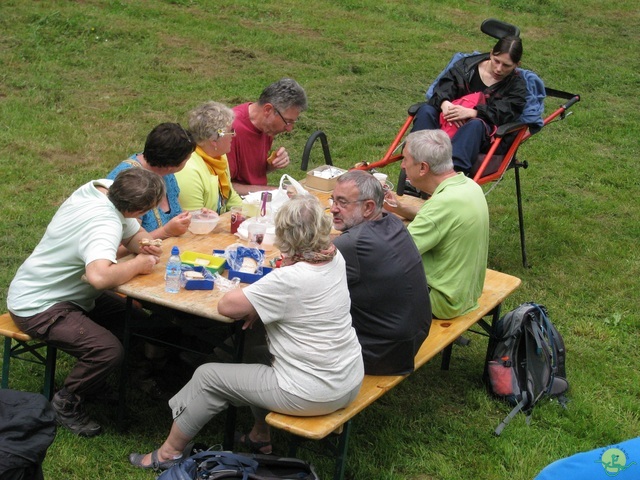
(389, 295)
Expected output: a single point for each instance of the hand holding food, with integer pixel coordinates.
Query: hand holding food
(279, 158)
(150, 242)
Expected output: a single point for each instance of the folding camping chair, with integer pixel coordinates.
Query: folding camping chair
(490, 166)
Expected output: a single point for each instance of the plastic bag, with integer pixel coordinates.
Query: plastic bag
(288, 186)
(236, 253)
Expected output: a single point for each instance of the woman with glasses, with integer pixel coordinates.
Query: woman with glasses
(205, 182)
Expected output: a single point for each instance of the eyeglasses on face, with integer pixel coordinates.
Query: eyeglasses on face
(286, 122)
(224, 133)
(341, 202)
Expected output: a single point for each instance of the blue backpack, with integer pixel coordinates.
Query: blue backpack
(212, 465)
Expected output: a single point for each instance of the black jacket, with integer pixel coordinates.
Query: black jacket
(27, 428)
(505, 99)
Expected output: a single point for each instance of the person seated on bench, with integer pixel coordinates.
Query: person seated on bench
(451, 229)
(60, 293)
(256, 125)
(166, 151)
(316, 365)
(205, 181)
(504, 90)
(390, 304)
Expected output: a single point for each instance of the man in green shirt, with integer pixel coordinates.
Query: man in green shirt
(451, 229)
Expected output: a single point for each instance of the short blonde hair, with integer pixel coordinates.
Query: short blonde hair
(205, 120)
(302, 226)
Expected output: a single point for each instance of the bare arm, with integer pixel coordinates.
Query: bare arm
(132, 245)
(235, 304)
(392, 205)
(175, 227)
(103, 274)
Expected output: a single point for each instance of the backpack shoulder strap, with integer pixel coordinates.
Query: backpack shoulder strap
(512, 414)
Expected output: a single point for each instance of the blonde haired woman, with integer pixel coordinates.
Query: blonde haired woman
(316, 365)
(205, 181)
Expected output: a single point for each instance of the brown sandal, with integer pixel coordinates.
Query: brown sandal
(254, 447)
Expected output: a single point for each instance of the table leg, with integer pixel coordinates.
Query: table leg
(230, 422)
(122, 388)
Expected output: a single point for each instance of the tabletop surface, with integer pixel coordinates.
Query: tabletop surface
(203, 303)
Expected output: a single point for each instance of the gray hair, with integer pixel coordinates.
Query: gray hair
(302, 226)
(368, 186)
(284, 94)
(432, 147)
(136, 190)
(205, 120)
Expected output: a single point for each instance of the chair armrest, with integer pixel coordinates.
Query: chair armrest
(509, 127)
(415, 107)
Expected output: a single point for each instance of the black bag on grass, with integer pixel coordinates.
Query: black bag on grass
(210, 465)
(526, 360)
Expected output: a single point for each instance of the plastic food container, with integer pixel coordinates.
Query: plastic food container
(210, 262)
(205, 283)
(203, 223)
(243, 276)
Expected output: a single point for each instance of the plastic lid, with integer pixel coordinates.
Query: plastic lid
(175, 250)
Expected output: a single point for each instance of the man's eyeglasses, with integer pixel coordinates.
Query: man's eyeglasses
(286, 122)
(223, 133)
(341, 202)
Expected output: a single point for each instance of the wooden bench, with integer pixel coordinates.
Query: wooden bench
(26, 349)
(498, 286)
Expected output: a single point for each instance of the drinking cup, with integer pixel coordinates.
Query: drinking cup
(237, 217)
(257, 232)
(381, 177)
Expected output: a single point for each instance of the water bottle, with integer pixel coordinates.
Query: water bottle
(172, 275)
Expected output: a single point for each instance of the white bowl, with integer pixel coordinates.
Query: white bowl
(203, 223)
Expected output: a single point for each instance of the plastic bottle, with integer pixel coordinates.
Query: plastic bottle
(172, 275)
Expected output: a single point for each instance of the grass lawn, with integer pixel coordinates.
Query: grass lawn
(82, 83)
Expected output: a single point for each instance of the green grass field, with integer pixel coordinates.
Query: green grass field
(82, 83)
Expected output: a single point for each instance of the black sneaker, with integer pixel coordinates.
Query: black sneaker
(70, 414)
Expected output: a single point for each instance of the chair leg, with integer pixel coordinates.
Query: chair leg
(523, 246)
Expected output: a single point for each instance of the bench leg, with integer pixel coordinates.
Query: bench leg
(341, 452)
(446, 357)
(6, 359)
(495, 316)
(293, 446)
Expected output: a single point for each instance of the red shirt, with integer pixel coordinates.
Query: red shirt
(249, 150)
